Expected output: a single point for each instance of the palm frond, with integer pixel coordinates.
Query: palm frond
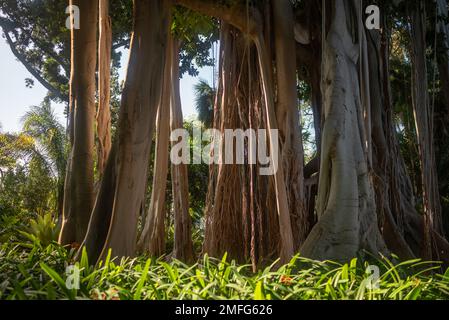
(204, 102)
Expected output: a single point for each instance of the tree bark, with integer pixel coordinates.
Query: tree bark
(424, 126)
(443, 61)
(123, 186)
(285, 226)
(104, 87)
(240, 210)
(234, 13)
(79, 186)
(183, 246)
(394, 194)
(442, 112)
(223, 213)
(347, 221)
(288, 117)
(152, 239)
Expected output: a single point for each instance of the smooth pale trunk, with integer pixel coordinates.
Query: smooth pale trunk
(288, 117)
(140, 99)
(183, 246)
(79, 185)
(345, 205)
(153, 236)
(285, 226)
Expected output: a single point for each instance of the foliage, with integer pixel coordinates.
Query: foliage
(198, 173)
(39, 273)
(37, 34)
(26, 24)
(32, 170)
(197, 34)
(204, 102)
(42, 230)
(26, 183)
(41, 123)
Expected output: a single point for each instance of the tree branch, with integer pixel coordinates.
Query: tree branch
(120, 44)
(31, 70)
(235, 14)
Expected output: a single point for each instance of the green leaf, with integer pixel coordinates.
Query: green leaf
(58, 280)
(143, 278)
(258, 292)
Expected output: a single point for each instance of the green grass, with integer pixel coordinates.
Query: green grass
(37, 272)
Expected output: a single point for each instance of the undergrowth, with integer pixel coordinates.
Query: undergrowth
(33, 271)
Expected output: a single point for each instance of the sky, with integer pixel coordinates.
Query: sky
(16, 98)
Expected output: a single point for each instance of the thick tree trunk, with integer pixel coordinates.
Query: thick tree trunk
(152, 239)
(122, 189)
(424, 126)
(223, 209)
(394, 194)
(104, 87)
(402, 226)
(441, 130)
(79, 186)
(285, 226)
(287, 114)
(345, 205)
(140, 99)
(183, 246)
(241, 211)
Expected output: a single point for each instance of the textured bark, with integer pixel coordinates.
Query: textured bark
(123, 187)
(152, 239)
(403, 227)
(288, 118)
(424, 126)
(394, 193)
(79, 185)
(347, 221)
(104, 87)
(441, 115)
(223, 209)
(240, 211)
(183, 245)
(249, 21)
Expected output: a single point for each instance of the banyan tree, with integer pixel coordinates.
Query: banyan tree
(357, 193)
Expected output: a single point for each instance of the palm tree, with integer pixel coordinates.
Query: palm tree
(42, 124)
(204, 102)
